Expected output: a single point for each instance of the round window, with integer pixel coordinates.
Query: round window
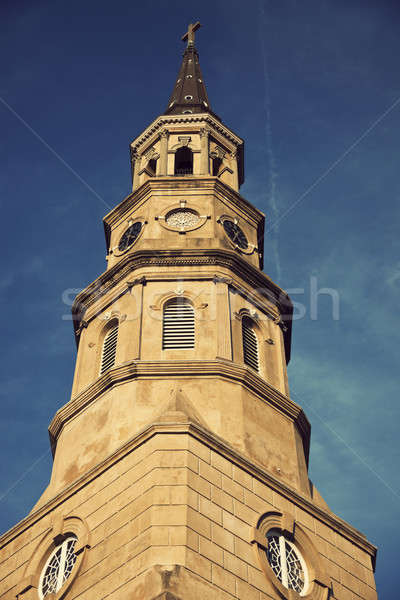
(182, 218)
(287, 562)
(188, 97)
(58, 567)
(130, 236)
(235, 233)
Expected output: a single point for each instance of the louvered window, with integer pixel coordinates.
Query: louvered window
(250, 344)
(178, 325)
(109, 349)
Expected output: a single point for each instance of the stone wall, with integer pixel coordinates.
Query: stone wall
(175, 515)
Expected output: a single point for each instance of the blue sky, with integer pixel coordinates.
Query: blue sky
(313, 88)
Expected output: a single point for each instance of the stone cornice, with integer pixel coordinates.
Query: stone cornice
(251, 294)
(186, 258)
(166, 183)
(172, 369)
(164, 120)
(203, 435)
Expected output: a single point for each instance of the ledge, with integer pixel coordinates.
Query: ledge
(186, 258)
(159, 183)
(182, 369)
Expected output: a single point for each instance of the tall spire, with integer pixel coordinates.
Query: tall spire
(189, 94)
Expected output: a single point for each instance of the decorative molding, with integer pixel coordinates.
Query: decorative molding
(245, 312)
(134, 155)
(218, 152)
(180, 291)
(139, 281)
(165, 121)
(218, 279)
(151, 154)
(204, 132)
(191, 257)
(204, 184)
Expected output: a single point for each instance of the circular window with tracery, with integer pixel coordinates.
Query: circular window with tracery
(289, 558)
(287, 562)
(58, 567)
(182, 218)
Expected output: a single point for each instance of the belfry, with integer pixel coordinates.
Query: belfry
(180, 462)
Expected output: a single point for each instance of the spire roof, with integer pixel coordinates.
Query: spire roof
(189, 94)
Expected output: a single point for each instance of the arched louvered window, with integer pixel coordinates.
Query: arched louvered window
(109, 349)
(178, 324)
(250, 344)
(184, 161)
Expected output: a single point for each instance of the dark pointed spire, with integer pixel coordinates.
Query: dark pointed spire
(189, 94)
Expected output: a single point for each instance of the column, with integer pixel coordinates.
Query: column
(204, 152)
(223, 315)
(235, 170)
(136, 169)
(133, 342)
(164, 153)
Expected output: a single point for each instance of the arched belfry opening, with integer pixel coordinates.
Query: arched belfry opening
(216, 165)
(152, 166)
(184, 161)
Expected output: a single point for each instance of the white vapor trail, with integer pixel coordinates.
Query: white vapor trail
(272, 166)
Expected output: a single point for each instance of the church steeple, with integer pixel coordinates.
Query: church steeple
(189, 94)
(181, 461)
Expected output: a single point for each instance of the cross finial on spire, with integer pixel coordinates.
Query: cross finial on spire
(189, 35)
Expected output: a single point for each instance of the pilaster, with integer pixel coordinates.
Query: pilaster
(164, 135)
(204, 156)
(223, 311)
(136, 169)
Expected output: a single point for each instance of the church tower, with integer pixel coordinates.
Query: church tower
(180, 461)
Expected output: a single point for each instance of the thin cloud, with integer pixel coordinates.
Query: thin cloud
(272, 165)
